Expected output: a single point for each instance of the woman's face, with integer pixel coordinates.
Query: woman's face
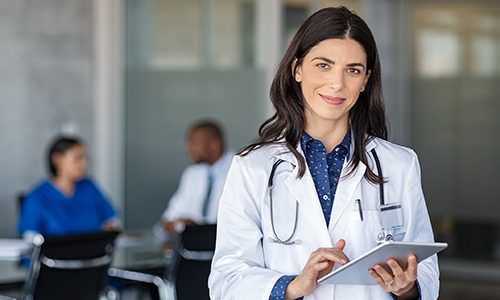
(72, 164)
(331, 76)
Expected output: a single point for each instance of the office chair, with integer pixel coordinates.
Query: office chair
(195, 251)
(74, 267)
(69, 267)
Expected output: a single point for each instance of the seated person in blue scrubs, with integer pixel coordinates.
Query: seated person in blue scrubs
(67, 202)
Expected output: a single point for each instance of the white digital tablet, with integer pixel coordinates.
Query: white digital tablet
(356, 271)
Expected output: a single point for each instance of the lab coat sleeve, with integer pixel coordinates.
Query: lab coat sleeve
(238, 267)
(419, 230)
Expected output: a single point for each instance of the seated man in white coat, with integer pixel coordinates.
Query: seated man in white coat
(196, 200)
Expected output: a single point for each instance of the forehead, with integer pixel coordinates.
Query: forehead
(76, 149)
(197, 134)
(347, 49)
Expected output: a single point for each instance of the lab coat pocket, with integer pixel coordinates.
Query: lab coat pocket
(362, 234)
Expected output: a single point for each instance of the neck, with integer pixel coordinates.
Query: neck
(215, 158)
(65, 184)
(330, 133)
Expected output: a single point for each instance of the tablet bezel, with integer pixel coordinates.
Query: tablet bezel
(355, 272)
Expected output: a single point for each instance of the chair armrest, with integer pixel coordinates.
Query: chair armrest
(166, 290)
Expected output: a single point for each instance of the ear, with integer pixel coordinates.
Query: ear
(296, 70)
(367, 76)
(56, 159)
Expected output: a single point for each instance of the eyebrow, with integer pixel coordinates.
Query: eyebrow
(332, 62)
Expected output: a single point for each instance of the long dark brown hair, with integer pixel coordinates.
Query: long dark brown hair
(366, 117)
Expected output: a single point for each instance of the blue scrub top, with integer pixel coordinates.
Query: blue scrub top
(47, 211)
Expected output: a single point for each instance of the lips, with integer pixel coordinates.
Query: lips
(332, 100)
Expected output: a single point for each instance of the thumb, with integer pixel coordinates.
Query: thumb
(340, 244)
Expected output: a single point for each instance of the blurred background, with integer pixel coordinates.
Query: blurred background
(130, 76)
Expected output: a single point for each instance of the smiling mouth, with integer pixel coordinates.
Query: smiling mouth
(332, 100)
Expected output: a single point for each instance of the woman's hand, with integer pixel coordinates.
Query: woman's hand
(403, 284)
(320, 263)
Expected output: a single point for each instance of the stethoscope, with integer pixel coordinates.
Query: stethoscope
(382, 237)
(270, 186)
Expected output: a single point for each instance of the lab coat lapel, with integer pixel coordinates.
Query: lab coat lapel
(347, 187)
(304, 192)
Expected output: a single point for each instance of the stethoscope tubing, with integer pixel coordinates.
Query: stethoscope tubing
(288, 241)
(270, 187)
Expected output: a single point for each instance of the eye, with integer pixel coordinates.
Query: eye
(354, 71)
(323, 66)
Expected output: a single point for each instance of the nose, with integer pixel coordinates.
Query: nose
(336, 80)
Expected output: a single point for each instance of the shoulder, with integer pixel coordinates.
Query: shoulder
(195, 168)
(264, 157)
(398, 155)
(387, 147)
(38, 189)
(87, 185)
(37, 195)
(194, 172)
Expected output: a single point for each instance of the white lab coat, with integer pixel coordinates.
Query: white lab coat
(187, 201)
(246, 265)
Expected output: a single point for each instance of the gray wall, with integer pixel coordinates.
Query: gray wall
(160, 108)
(45, 86)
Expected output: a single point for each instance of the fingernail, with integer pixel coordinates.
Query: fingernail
(343, 261)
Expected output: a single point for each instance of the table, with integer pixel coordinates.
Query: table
(137, 250)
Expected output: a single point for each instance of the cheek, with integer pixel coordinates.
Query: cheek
(311, 82)
(80, 163)
(355, 86)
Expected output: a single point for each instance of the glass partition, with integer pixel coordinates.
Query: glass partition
(193, 59)
(457, 128)
(186, 60)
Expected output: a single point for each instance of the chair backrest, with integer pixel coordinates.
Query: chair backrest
(70, 267)
(196, 251)
(199, 238)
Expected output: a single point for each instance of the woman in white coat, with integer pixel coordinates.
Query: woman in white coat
(316, 152)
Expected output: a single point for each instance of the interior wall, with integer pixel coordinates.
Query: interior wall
(160, 108)
(186, 61)
(45, 88)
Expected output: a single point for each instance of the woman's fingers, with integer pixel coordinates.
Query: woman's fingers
(377, 278)
(340, 244)
(332, 254)
(320, 263)
(397, 280)
(412, 266)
